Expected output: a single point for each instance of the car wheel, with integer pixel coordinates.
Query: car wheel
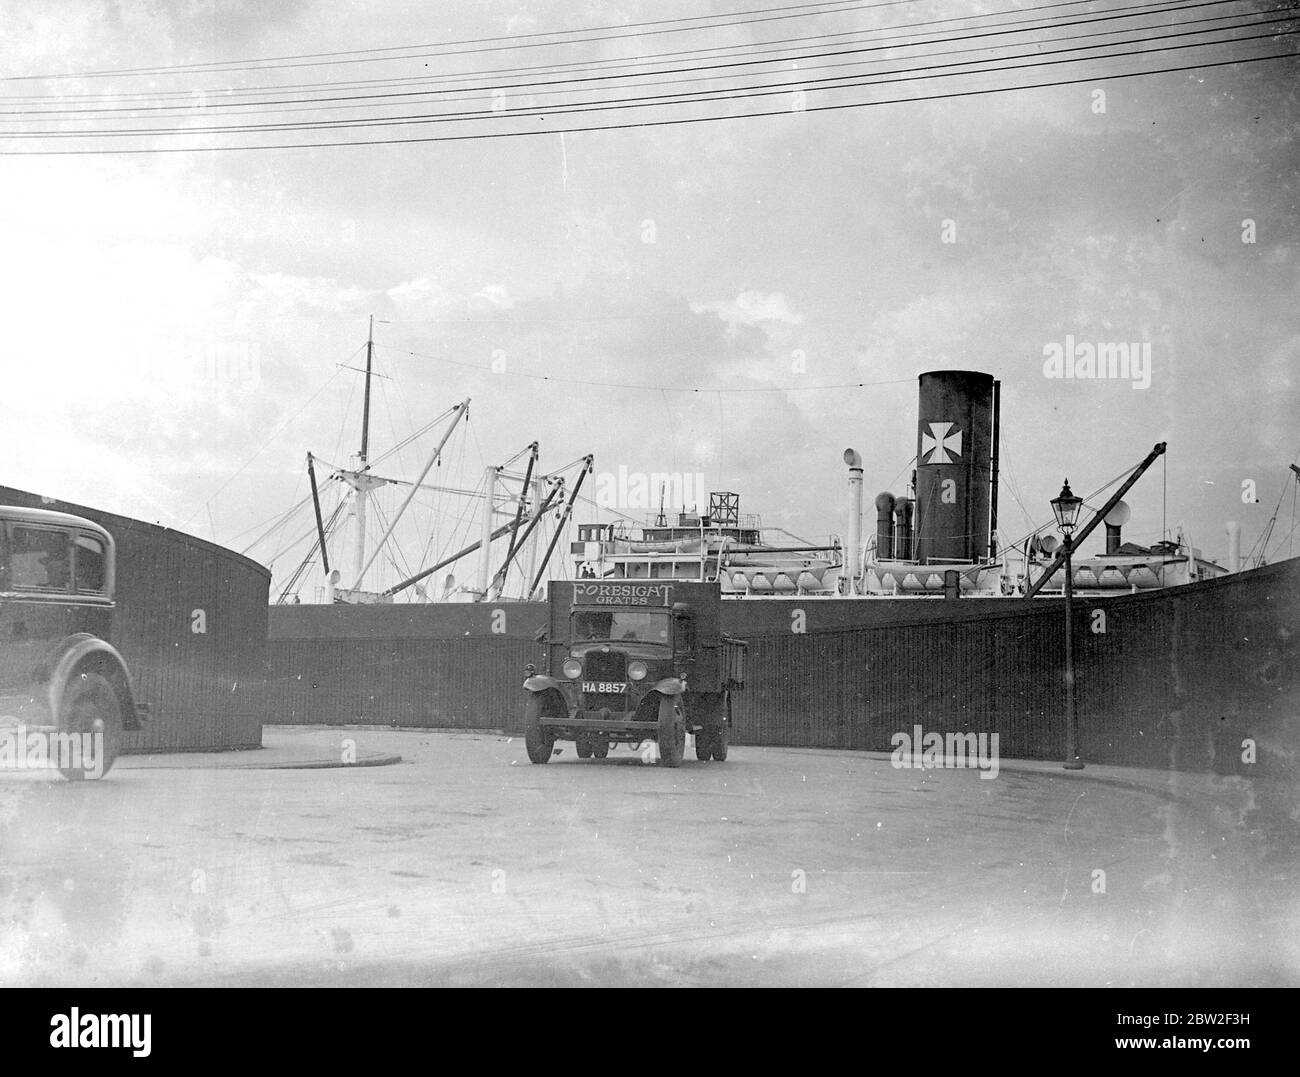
(584, 747)
(91, 706)
(672, 732)
(600, 749)
(703, 744)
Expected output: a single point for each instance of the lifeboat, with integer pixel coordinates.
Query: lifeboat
(893, 577)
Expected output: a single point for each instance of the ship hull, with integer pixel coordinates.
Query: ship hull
(1195, 677)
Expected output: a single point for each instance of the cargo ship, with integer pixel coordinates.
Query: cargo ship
(939, 538)
(926, 621)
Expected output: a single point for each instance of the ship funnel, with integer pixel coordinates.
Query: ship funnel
(853, 561)
(954, 465)
(1234, 546)
(884, 526)
(903, 529)
(1115, 520)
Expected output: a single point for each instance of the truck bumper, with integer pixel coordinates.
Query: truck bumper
(593, 720)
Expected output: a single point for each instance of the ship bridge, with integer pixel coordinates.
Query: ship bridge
(720, 545)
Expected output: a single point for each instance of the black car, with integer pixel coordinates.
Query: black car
(65, 691)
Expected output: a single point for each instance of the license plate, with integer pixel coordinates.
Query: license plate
(604, 687)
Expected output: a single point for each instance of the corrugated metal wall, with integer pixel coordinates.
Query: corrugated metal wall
(1176, 678)
(205, 689)
(448, 666)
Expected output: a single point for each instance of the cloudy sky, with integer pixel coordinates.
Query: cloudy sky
(178, 326)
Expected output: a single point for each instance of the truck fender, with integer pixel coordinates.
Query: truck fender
(101, 657)
(669, 686)
(540, 683)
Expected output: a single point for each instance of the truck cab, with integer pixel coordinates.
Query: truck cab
(629, 662)
(66, 693)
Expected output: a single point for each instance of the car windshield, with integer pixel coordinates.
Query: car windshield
(641, 625)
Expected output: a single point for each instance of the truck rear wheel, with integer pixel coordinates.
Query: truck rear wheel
(91, 709)
(537, 739)
(703, 744)
(718, 744)
(672, 732)
(723, 732)
(584, 746)
(600, 749)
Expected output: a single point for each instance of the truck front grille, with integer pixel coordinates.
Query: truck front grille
(605, 667)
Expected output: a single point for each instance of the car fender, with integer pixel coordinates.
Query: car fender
(669, 686)
(538, 683)
(76, 649)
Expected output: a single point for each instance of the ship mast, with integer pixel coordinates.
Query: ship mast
(359, 478)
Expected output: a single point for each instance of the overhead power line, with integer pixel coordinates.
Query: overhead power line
(643, 124)
(728, 83)
(489, 44)
(726, 70)
(1138, 10)
(769, 89)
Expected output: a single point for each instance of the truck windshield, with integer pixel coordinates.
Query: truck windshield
(642, 625)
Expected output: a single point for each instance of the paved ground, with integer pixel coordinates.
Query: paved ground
(463, 864)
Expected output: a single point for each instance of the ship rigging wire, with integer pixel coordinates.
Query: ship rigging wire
(1261, 543)
(659, 388)
(261, 449)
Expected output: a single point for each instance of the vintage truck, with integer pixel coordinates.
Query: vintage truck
(629, 662)
(66, 694)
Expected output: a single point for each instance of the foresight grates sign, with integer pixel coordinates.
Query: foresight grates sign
(622, 594)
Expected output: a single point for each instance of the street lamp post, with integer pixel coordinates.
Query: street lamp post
(1066, 506)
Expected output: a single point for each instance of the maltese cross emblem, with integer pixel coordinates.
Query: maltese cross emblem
(939, 442)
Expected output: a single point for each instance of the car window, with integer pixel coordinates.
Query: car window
(90, 563)
(39, 559)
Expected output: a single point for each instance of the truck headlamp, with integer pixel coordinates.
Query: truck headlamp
(572, 668)
(636, 670)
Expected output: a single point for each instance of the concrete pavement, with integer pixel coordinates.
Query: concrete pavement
(465, 865)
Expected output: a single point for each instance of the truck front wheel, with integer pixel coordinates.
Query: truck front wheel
(537, 739)
(672, 732)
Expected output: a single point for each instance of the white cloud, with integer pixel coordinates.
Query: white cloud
(493, 297)
(284, 291)
(753, 308)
